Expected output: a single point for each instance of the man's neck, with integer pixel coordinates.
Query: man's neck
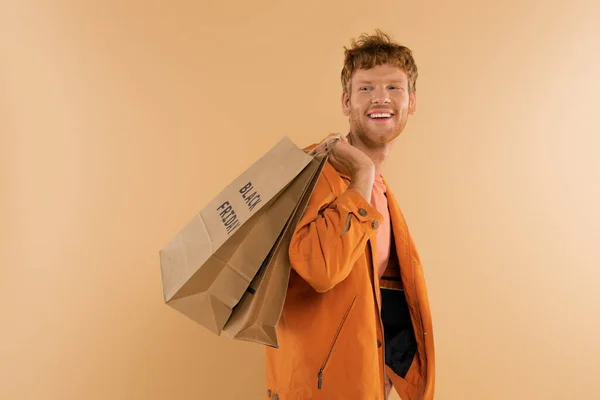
(377, 154)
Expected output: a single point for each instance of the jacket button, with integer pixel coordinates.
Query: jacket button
(275, 397)
(362, 212)
(378, 343)
(269, 393)
(375, 224)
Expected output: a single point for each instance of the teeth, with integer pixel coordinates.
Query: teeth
(381, 115)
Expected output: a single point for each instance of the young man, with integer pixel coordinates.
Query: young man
(356, 319)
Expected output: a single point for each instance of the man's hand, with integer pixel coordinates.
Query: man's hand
(348, 159)
(351, 161)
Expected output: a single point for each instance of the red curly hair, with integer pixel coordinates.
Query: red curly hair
(377, 49)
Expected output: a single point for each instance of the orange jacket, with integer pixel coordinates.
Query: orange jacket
(331, 344)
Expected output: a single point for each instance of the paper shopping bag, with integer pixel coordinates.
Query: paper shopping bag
(209, 264)
(255, 317)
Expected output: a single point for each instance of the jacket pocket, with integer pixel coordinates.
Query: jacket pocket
(335, 338)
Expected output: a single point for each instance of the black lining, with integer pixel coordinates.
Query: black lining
(400, 341)
(392, 278)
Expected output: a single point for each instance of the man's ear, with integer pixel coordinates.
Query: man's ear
(346, 103)
(412, 103)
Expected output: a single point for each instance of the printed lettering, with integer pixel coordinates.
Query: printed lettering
(231, 223)
(255, 203)
(226, 211)
(232, 227)
(245, 189)
(230, 220)
(228, 217)
(249, 198)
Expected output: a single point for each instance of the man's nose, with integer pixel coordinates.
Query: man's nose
(380, 96)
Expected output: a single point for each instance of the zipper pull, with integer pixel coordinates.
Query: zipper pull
(320, 383)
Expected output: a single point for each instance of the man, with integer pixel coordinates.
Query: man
(356, 319)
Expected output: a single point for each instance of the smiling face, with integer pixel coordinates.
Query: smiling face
(378, 103)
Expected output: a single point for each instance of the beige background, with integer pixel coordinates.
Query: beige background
(120, 119)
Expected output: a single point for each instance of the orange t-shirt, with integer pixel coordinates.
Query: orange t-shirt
(384, 257)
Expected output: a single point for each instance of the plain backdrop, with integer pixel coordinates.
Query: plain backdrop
(120, 119)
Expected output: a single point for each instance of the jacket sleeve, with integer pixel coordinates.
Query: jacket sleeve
(331, 235)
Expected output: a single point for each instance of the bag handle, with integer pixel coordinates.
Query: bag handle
(325, 146)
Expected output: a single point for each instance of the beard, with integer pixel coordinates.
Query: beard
(374, 137)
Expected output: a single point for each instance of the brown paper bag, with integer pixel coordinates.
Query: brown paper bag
(209, 264)
(255, 317)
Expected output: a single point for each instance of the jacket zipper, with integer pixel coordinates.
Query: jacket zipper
(383, 350)
(412, 262)
(337, 334)
(374, 287)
